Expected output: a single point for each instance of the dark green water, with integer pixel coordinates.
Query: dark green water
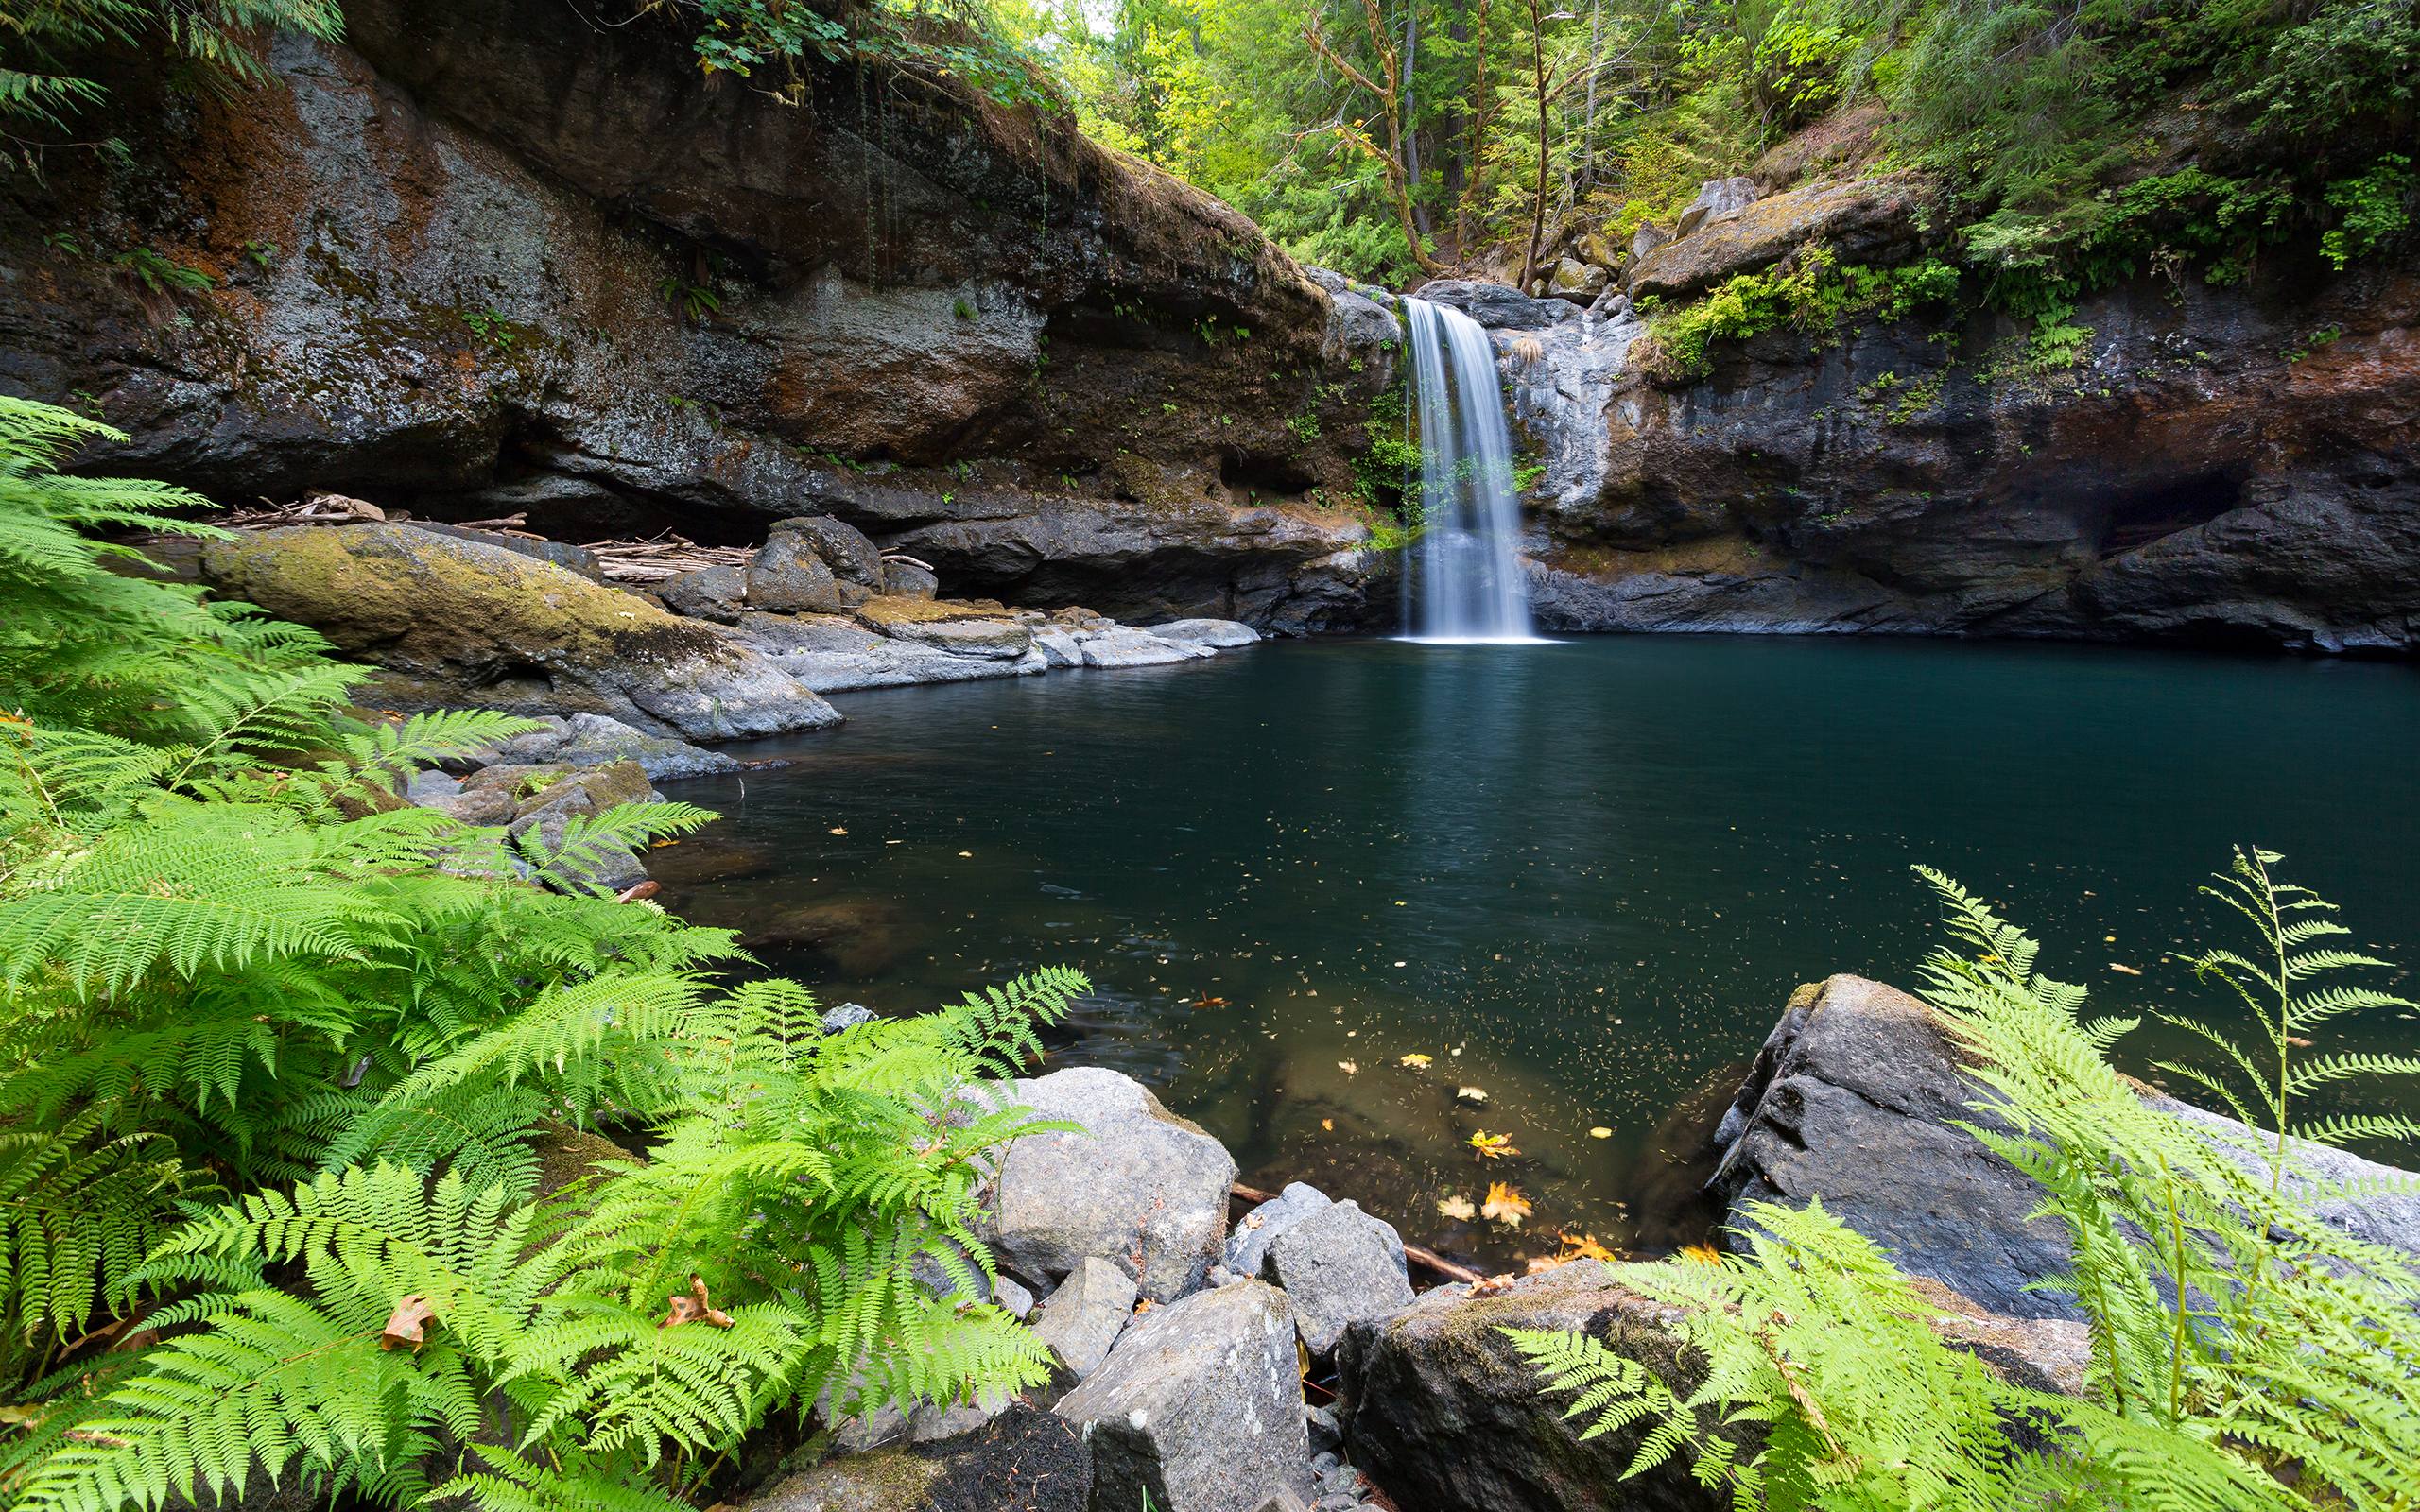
(1583, 878)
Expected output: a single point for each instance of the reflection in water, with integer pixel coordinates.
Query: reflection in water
(1581, 879)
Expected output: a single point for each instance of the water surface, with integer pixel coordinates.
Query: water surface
(1581, 878)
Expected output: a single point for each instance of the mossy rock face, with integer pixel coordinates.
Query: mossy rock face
(459, 622)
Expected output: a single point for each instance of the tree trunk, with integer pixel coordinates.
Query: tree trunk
(1538, 202)
(1410, 123)
(1475, 142)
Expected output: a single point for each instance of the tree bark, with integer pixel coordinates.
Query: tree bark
(1538, 202)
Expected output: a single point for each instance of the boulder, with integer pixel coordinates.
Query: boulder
(1200, 1407)
(1494, 305)
(1447, 1417)
(1255, 1230)
(1218, 634)
(907, 579)
(1085, 1317)
(1338, 1266)
(1137, 648)
(717, 593)
(1872, 220)
(1716, 196)
(561, 553)
(787, 576)
(1850, 1101)
(1576, 282)
(459, 622)
(1020, 1460)
(1140, 1186)
(585, 792)
(1646, 239)
(1059, 649)
(841, 546)
(988, 640)
(593, 740)
(834, 655)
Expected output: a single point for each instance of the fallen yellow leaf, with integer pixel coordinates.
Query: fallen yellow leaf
(1584, 1247)
(1415, 1060)
(837, 830)
(1458, 1206)
(1351, 1068)
(1600, 1132)
(1493, 1146)
(1505, 1205)
(1702, 1254)
(1469, 1094)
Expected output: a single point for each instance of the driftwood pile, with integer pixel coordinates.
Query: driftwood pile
(657, 557)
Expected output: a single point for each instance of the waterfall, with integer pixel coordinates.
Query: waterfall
(1461, 580)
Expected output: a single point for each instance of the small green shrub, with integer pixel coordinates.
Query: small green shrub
(2377, 207)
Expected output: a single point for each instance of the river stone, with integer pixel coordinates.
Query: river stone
(1219, 634)
(1447, 1417)
(1716, 196)
(717, 593)
(1085, 1317)
(592, 740)
(788, 576)
(1021, 1460)
(834, 655)
(1849, 1101)
(905, 579)
(1576, 282)
(1337, 1266)
(1141, 1186)
(1198, 1407)
(842, 546)
(1059, 649)
(1136, 648)
(454, 623)
(1255, 1230)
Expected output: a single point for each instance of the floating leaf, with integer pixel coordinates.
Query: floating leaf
(1458, 1207)
(1415, 1060)
(1584, 1247)
(1702, 1254)
(1504, 1205)
(693, 1307)
(1493, 1146)
(837, 830)
(407, 1324)
(1600, 1132)
(1469, 1094)
(1351, 1068)
(1205, 1001)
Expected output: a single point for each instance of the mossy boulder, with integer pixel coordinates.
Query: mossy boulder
(1871, 221)
(459, 622)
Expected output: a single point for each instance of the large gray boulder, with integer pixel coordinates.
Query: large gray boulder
(1497, 307)
(456, 623)
(1140, 1186)
(1255, 1230)
(835, 655)
(1083, 1317)
(1851, 1099)
(1338, 1266)
(1716, 196)
(1124, 647)
(843, 547)
(1872, 220)
(788, 576)
(1200, 1407)
(1222, 635)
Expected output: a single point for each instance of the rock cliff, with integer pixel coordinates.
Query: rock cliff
(488, 259)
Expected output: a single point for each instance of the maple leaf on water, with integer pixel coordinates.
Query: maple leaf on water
(1584, 1247)
(1351, 1068)
(692, 1307)
(1471, 1094)
(1415, 1060)
(407, 1324)
(1493, 1146)
(1505, 1205)
(1458, 1206)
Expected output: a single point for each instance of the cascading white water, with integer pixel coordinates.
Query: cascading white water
(1461, 579)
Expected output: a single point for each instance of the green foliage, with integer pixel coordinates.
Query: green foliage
(2244, 1352)
(491, 328)
(1818, 297)
(280, 1051)
(2377, 207)
(767, 40)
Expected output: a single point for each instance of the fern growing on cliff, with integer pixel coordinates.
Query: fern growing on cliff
(2245, 1351)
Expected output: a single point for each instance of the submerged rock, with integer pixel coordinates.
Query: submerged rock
(457, 622)
(1140, 1186)
(1200, 1407)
